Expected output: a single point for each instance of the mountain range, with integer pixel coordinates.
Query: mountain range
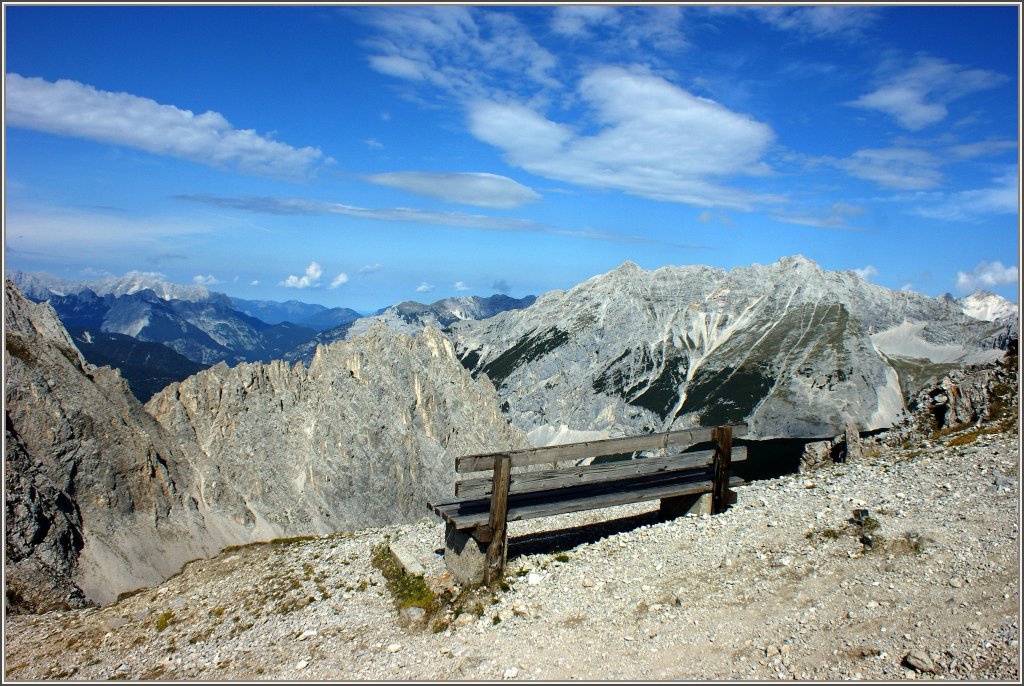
(206, 327)
(791, 348)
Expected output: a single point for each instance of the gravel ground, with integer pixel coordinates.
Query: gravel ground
(779, 587)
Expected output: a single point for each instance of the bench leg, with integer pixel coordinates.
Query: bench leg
(680, 505)
(464, 555)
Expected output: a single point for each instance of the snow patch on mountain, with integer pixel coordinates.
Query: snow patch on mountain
(988, 306)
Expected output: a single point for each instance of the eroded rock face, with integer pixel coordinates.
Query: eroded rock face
(96, 499)
(364, 436)
(790, 348)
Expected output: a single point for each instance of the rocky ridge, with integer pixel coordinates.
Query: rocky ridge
(791, 348)
(365, 435)
(791, 582)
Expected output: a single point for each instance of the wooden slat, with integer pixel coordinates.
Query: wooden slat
(529, 509)
(677, 440)
(577, 475)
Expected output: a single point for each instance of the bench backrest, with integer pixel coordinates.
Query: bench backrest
(573, 475)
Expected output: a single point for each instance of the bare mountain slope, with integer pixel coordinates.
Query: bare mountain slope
(791, 348)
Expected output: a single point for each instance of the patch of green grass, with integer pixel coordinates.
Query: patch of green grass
(164, 620)
(408, 590)
(217, 612)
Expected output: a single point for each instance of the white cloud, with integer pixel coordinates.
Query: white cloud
(70, 108)
(461, 286)
(310, 279)
(916, 95)
(254, 282)
(901, 168)
(446, 46)
(907, 288)
(1002, 197)
(208, 280)
(834, 218)
(339, 280)
(373, 143)
(817, 21)
(576, 20)
(867, 273)
(469, 188)
(653, 139)
(370, 268)
(458, 220)
(425, 287)
(986, 275)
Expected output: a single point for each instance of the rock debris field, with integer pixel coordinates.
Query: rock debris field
(786, 584)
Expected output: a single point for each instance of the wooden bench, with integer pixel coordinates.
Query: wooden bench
(492, 495)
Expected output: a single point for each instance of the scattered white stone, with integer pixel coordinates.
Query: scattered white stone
(534, 578)
(394, 647)
(510, 673)
(302, 664)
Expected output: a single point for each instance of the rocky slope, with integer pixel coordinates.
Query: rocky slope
(102, 498)
(364, 435)
(784, 585)
(97, 497)
(791, 348)
(411, 317)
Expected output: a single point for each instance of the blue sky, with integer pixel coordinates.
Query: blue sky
(362, 155)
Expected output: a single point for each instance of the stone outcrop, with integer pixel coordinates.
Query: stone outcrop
(362, 437)
(96, 496)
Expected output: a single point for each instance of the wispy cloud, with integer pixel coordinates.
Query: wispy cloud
(916, 94)
(445, 47)
(653, 139)
(986, 275)
(309, 279)
(339, 280)
(425, 287)
(821, 21)
(867, 273)
(457, 220)
(208, 280)
(468, 188)
(644, 28)
(1002, 197)
(70, 108)
(835, 217)
(370, 268)
(460, 286)
(899, 167)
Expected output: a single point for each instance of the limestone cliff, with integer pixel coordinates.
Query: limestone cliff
(96, 496)
(362, 437)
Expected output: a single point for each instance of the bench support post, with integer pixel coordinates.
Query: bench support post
(723, 460)
(497, 550)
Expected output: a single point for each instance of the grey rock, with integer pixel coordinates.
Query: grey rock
(464, 556)
(918, 660)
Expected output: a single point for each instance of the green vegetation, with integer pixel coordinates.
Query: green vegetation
(164, 620)
(407, 590)
(728, 395)
(527, 349)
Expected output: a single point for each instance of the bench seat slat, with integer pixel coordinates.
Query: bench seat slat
(574, 476)
(468, 513)
(676, 440)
